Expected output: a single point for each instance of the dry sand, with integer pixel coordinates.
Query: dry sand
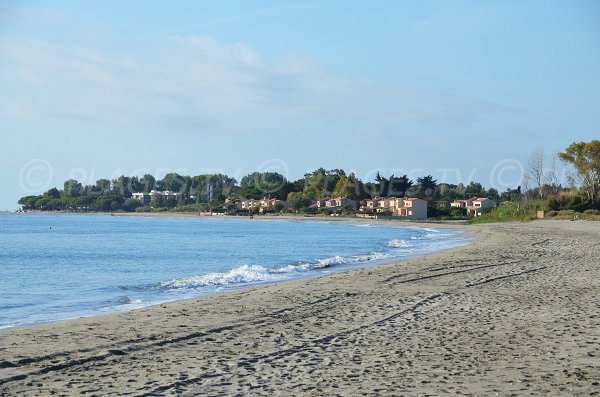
(514, 313)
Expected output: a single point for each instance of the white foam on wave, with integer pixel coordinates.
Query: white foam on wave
(259, 274)
(125, 300)
(252, 274)
(398, 244)
(238, 275)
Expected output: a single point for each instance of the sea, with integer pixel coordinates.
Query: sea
(62, 266)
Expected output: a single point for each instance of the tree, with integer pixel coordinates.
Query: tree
(474, 189)
(381, 186)
(157, 201)
(427, 185)
(552, 175)
(131, 204)
(173, 182)
(52, 193)
(103, 185)
(321, 183)
(535, 171)
(122, 186)
(585, 158)
(346, 186)
(399, 185)
(72, 188)
(297, 200)
(148, 183)
(262, 184)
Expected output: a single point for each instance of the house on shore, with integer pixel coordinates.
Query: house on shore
(142, 197)
(412, 208)
(478, 205)
(145, 198)
(474, 206)
(263, 205)
(408, 208)
(335, 204)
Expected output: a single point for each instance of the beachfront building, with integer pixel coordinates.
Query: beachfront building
(249, 204)
(335, 204)
(263, 205)
(142, 197)
(461, 203)
(269, 204)
(409, 208)
(145, 198)
(478, 205)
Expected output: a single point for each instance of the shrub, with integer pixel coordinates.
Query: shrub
(591, 212)
(507, 211)
(551, 213)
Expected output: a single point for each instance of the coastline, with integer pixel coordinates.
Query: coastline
(440, 323)
(171, 214)
(459, 237)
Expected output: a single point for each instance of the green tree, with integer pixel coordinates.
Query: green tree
(260, 184)
(122, 186)
(426, 186)
(131, 204)
(72, 188)
(172, 181)
(347, 186)
(103, 185)
(52, 193)
(399, 185)
(585, 158)
(298, 200)
(321, 183)
(157, 201)
(147, 183)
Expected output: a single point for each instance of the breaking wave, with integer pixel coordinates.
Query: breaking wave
(260, 274)
(257, 274)
(398, 244)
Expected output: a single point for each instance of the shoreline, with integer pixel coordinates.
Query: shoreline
(313, 274)
(506, 313)
(167, 214)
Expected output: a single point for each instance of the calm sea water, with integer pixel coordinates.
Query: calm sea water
(55, 267)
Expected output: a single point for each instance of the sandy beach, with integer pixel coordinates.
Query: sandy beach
(516, 312)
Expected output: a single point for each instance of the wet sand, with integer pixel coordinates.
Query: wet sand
(516, 312)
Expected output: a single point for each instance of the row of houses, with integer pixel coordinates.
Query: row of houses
(474, 206)
(408, 208)
(263, 205)
(145, 198)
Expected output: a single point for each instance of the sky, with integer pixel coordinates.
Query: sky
(462, 90)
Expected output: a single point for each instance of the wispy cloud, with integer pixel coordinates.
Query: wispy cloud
(194, 81)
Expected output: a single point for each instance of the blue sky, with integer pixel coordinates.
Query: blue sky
(460, 90)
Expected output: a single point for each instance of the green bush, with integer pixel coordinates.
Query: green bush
(508, 211)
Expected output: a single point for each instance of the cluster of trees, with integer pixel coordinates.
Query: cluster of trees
(541, 180)
(211, 190)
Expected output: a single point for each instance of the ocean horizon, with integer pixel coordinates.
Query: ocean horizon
(62, 266)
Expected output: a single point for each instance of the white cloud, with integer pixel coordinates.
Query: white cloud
(189, 83)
